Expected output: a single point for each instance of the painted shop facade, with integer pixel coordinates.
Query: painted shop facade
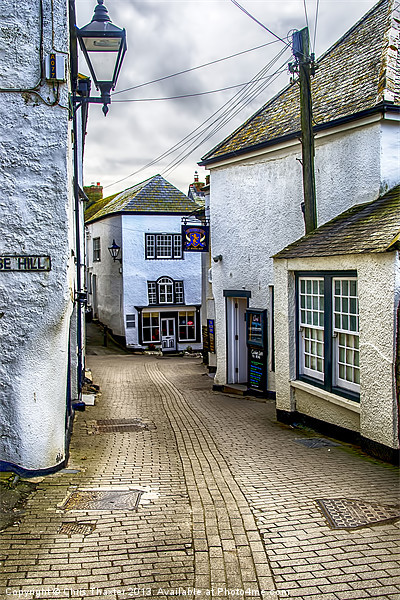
(356, 107)
(150, 295)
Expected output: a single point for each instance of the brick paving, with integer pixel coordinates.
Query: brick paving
(228, 506)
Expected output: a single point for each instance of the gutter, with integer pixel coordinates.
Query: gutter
(379, 108)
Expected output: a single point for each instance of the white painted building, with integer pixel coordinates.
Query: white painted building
(256, 177)
(38, 312)
(337, 294)
(150, 297)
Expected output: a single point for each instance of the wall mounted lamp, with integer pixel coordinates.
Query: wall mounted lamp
(217, 258)
(114, 251)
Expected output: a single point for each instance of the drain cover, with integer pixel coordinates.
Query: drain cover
(351, 514)
(315, 442)
(121, 425)
(77, 528)
(103, 500)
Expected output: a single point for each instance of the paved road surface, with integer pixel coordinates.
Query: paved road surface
(227, 501)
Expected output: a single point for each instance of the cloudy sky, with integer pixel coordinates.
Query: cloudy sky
(169, 36)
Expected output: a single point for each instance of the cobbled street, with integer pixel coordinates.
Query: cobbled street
(226, 500)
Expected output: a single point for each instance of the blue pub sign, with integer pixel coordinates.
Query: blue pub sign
(195, 239)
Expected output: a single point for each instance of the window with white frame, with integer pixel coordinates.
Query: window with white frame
(178, 292)
(152, 292)
(187, 326)
(328, 342)
(311, 292)
(150, 328)
(165, 291)
(163, 245)
(96, 249)
(345, 333)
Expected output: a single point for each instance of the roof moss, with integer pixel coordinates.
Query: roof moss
(356, 74)
(364, 228)
(154, 195)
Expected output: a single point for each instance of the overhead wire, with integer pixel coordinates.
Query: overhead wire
(180, 96)
(246, 12)
(212, 62)
(221, 117)
(305, 13)
(243, 99)
(315, 26)
(178, 161)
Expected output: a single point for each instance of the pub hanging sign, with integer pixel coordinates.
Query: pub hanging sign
(195, 238)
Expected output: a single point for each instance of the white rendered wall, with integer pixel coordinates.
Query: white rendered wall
(107, 272)
(256, 208)
(137, 270)
(120, 288)
(378, 284)
(36, 209)
(390, 152)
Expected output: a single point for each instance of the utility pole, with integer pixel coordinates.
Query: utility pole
(304, 66)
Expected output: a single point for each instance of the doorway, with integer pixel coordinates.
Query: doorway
(168, 337)
(236, 340)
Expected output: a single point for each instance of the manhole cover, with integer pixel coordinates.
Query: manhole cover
(103, 500)
(121, 425)
(77, 528)
(351, 514)
(315, 442)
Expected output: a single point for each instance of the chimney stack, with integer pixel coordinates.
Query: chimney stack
(94, 192)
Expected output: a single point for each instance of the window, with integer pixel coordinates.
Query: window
(178, 292)
(151, 328)
(345, 333)
(163, 245)
(329, 332)
(152, 292)
(130, 321)
(165, 291)
(187, 326)
(312, 327)
(96, 249)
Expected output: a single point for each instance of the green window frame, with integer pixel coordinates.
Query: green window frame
(328, 331)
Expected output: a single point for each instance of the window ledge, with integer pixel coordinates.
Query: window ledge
(328, 396)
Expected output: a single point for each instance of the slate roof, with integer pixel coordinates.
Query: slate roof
(364, 228)
(154, 195)
(96, 206)
(358, 73)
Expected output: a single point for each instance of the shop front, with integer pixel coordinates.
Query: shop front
(171, 330)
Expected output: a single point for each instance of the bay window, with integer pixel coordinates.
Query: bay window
(328, 338)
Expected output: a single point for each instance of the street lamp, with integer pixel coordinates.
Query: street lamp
(114, 251)
(103, 45)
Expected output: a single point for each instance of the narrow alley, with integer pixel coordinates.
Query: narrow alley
(173, 489)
